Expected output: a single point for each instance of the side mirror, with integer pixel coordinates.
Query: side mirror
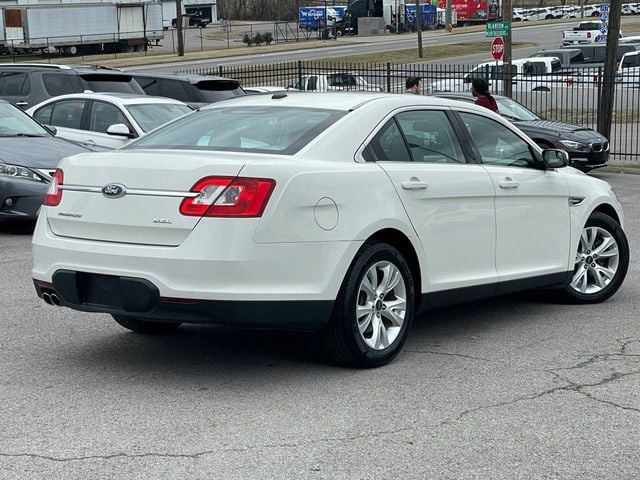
(119, 129)
(554, 158)
(52, 130)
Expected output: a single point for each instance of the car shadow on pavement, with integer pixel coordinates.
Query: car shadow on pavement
(207, 351)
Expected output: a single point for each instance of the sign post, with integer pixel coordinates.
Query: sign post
(497, 48)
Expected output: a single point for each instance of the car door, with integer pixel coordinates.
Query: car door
(101, 116)
(66, 115)
(531, 204)
(449, 201)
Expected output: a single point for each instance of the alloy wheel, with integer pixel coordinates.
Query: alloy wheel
(381, 305)
(597, 261)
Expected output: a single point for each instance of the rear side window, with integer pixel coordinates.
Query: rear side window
(283, 130)
(60, 84)
(388, 145)
(14, 83)
(430, 137)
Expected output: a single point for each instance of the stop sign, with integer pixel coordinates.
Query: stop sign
(497, 48)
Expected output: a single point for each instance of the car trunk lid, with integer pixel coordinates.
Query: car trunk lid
(134, 197)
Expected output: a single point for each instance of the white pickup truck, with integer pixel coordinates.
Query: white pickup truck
(335, 82)
(536, 74)
(584, 32)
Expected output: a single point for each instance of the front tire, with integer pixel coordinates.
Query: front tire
(601, 262)
(373, 311)
(139, 325)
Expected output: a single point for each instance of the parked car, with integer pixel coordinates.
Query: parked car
(335, 82)
(629, 69)
(193, 21)
(194, 90)
(26, 85)
(587, 148)
(29, 154)
(568, 57)
(596, 53)
(107, 120)
(267, 89)
(340, 213)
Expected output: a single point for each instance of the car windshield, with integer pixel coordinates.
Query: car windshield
(15, 123)
(283, 130)
(514, 111)
(152, 115)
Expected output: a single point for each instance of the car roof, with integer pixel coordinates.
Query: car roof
(80, 69)
(191, 78)
(118, 98)
(342, 101)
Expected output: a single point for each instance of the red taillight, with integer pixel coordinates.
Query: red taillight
(229, 197)
(54, 194)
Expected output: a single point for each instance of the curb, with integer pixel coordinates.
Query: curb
(620, 169)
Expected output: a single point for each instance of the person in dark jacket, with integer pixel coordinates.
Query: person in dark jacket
(480, 90)
(413, 85)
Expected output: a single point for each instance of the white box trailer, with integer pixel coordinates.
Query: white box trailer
(87, 28)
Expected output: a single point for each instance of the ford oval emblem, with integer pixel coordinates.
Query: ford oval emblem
(114, 190)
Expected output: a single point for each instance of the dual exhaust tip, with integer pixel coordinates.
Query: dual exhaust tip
(51, 299)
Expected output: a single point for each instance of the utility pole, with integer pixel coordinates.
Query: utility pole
(507, 17)
(179, 28)
(608, 85)
(419, 29)
(447, 17)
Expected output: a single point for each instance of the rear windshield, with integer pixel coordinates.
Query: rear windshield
(283, 130)
(111, 83)
(217, 90)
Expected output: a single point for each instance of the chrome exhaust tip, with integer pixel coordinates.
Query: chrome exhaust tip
(55, 300)
(47, 298)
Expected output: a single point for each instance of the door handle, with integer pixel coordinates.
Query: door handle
(414, 184)
(508, 182)
(90, 142)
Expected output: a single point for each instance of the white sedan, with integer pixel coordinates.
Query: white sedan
(107, 120)
(345, 214)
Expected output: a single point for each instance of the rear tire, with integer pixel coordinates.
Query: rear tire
(601, 263)
(373, 311)
(139, 325)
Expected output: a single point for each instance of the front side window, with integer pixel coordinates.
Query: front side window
(497, 144)
(103, 115)
(283, 130)
(431, 137)
(68, 113)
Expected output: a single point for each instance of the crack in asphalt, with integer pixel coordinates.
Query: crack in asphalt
(471, 357)
(567, 386)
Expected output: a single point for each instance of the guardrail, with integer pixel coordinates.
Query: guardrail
(571, 96)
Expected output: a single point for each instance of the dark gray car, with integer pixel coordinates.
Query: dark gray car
(26, 85)
(29, 154)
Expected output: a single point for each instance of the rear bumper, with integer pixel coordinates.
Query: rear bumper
(139, 298)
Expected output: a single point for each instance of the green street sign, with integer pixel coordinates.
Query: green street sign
(497, 29)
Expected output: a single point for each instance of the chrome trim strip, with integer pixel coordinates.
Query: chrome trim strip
(133, 191)
(576, 201)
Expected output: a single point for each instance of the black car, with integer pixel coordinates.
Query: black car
(194, 90)
(26, 85)
(194, 21)
(29, 155)
(587, 148)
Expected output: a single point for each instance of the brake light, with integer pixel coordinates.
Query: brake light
(228, 197)
(54, 194)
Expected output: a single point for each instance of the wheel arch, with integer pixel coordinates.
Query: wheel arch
(401, 242)
(608, 210)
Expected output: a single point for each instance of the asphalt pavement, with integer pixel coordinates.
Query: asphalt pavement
(515, 387)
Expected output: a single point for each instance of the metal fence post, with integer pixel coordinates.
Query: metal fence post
(201, 40)
(599, 96)
(173, 43)
(388, 77)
